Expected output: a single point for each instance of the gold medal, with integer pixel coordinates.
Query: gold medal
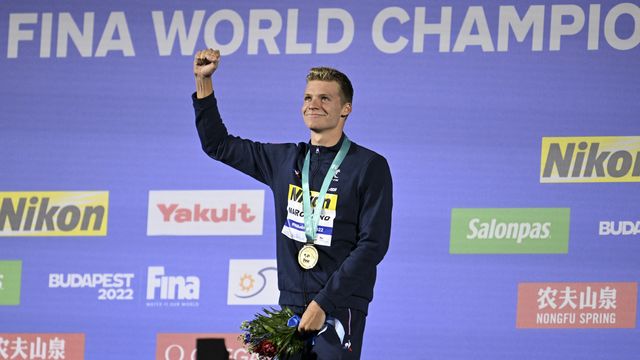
(308, 257)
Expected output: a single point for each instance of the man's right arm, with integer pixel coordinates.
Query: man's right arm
(205, 64)
(252, 158)
(211, 130)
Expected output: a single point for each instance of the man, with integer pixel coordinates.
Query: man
(333, 201)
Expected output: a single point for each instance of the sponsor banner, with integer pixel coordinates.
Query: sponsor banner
(619, 228)
(183, 346)
(41, 346)
(590, 159)
(294, 225)
(10, 282)
(54, 213)
(510, 231)
(206, 212)
(577, 305)
(108, 286)
(165, 289)
(253, 282)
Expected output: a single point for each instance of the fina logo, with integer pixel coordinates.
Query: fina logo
(253, 282)
(171, 287)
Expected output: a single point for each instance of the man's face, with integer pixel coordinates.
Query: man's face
(322, 108)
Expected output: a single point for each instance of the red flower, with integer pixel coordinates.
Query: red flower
(266, 348)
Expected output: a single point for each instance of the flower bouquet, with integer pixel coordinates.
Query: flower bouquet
(272, 334)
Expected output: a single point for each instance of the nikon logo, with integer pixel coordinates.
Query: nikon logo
(590, 159)
(56, 213)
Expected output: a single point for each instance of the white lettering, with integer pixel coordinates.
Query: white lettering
(166, 39)
(323, 46)
(593, 41)
(555, 318)
(45, 35)
(67, 28)
(443, 29)
(559, 29)
(619, 228)
(77, 281)
(533, 18)
(16, 34)
(598, 318)
(514, 231)
(116, 22)
(475, 16)
(171, 287)
(266, 35)
(377, 30)
(610, 26)
(210, 31)
(292, 45)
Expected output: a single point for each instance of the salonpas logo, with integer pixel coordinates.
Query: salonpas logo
(10, 282)
(590, 159)
(510, 231)
(54, 213)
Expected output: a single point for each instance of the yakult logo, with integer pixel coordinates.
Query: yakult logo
(213, 212)
(171, 290)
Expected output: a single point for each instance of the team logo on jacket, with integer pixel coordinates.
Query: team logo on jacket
(294, 225)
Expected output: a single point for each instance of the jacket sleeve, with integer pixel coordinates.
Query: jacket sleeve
(374, 231)
(252, 158)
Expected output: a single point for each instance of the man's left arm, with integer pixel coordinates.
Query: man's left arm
(374, 230)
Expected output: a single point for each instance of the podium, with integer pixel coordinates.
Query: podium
(211, 349)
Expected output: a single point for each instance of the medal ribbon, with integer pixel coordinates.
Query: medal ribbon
(311, 223)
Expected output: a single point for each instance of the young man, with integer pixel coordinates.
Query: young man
(327, 255)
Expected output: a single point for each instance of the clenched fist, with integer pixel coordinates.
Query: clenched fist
(205, 63)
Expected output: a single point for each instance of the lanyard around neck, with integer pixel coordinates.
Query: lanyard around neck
(311, 218)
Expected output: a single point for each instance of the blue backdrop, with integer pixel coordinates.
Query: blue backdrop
(459, 118)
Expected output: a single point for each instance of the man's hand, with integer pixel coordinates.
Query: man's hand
(205, 64)
(313, 318)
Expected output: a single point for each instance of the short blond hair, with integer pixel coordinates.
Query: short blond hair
(330, 74)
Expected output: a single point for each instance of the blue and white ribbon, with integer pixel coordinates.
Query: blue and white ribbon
(337, 325)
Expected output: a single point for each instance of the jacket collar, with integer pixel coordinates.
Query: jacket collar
(323, 149)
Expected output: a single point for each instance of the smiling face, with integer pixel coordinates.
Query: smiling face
(323, 108)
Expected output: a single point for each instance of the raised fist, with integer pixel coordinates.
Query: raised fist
(206, 62)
